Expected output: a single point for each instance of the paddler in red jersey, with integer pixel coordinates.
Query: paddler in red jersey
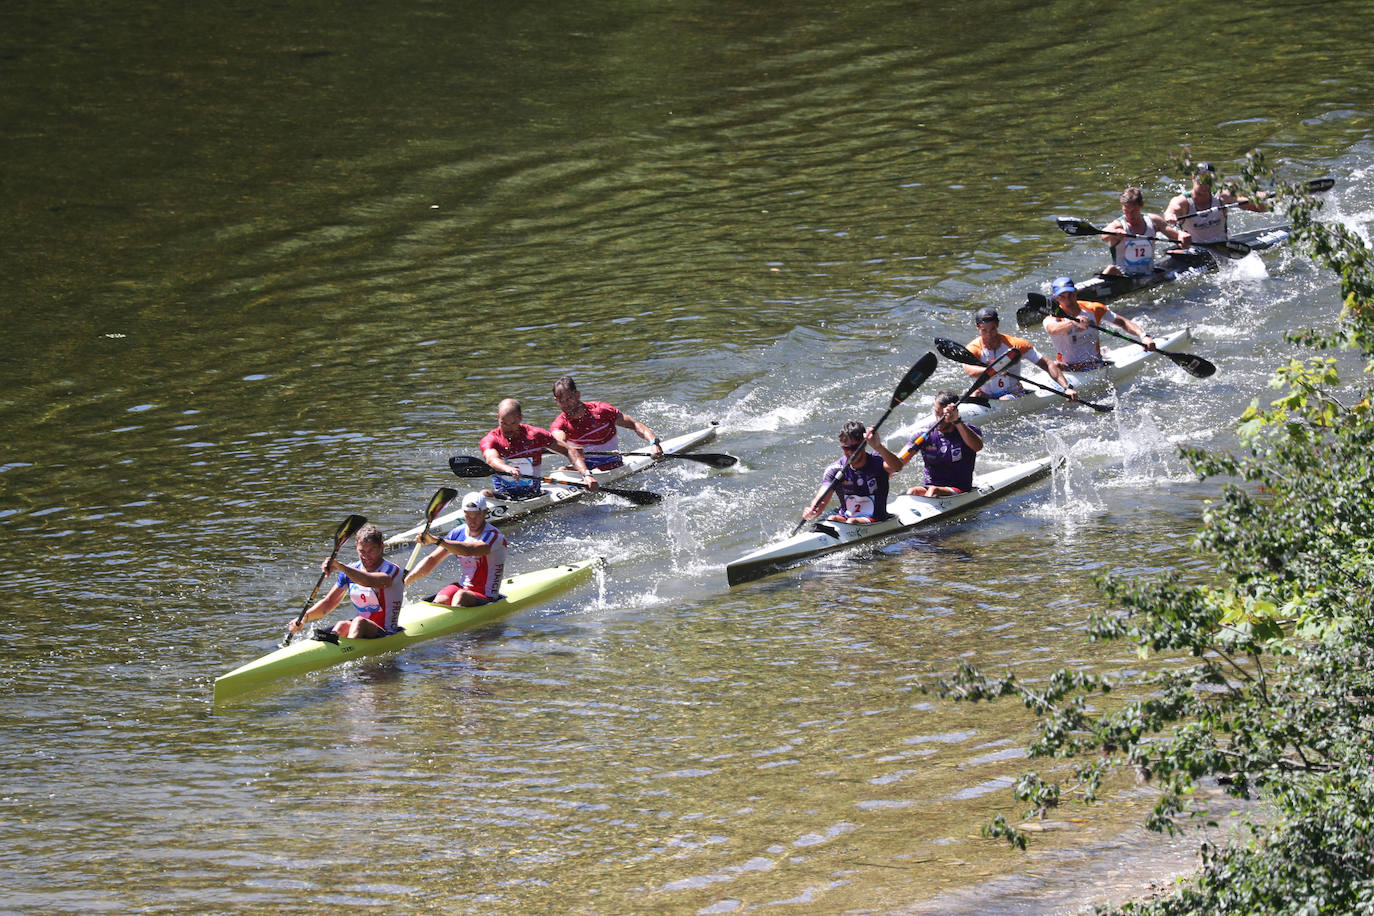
(990, 344)
(585, 426)
(515, 447)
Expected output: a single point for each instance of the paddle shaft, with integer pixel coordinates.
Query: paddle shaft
(1194, 365)
(345, 531)
(1083, 229)
(639, 497)
(1314, 186)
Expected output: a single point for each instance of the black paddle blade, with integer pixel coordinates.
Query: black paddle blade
(347, 528)
(466, 466)
(714, 459)
(1072, 226)
(1195, 366)
(1317, 185)
(1038, 307)
(915, 377)
(638, 497)
(955, 351)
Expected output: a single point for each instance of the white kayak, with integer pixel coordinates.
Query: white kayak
(907, 512)
(501, 510)
(1121, 363)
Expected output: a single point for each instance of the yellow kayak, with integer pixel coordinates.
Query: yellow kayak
(421, 621)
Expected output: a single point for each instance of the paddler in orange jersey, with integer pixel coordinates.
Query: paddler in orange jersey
(1076, 341)
(990, 344)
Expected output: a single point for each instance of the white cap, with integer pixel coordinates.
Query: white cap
(474, 500)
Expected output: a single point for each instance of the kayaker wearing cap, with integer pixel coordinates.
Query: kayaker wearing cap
(991, 344)
(591, 425)
(1135, 257)
(516, 447)
(1075, 337)
(373, 584)
(862, 483)
(480, 548)
(1204, 210)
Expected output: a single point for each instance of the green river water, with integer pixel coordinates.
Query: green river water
(265, 266)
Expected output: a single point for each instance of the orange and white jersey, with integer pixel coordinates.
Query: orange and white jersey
(1001, 386)
(1078, 347)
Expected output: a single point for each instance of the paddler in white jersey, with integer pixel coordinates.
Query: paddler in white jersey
(1203, 212)
(1076, 341)
(1135, 257)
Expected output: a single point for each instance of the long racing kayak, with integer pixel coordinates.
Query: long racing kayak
(907, 513)
(502, 510)
(420, 621)
(1175, 265)
(1121, 363)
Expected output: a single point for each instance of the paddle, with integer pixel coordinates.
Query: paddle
(467, 467)
(1082, 228)
(1000, 364)
(960, 354)
(1039, 306)
(347, 528)
(714, 459)
(1314, 186)
(915, 377)
(442, 497)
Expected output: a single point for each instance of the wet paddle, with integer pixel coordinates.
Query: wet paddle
(442, 497)
(1084, 229)
(714, 459)
(961, 354)
(1039, 306)
(915, 377)
(468, 467)
(347, 528)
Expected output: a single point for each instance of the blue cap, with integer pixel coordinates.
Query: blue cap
(986, 313)
(1063, 285)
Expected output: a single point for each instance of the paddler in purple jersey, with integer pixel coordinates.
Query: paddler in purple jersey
(862, 485)
(949, 450)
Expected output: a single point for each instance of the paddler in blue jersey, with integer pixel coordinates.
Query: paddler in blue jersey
(1202, 211)
(861, 481)
(1133, 254)
(374, 584)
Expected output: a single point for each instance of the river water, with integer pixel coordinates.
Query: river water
(267, 266)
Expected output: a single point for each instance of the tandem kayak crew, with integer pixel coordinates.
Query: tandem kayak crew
(1204, 211)
(585, 426)
(861, 482)
(481, 550)
(948, 449)
(990, 345)
(517, 448)
(1131, 237)
(1075, 336)
(374, 585)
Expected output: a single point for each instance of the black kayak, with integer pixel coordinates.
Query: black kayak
(1175, 264)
